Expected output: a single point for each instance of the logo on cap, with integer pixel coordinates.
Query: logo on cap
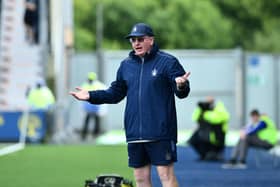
(134, 29)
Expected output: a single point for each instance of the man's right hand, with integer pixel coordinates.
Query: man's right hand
(80, 94)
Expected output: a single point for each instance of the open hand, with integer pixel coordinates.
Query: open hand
(181, 81)
(80, 94)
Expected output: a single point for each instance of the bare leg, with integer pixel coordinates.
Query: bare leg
(143, 176)
(167, 176)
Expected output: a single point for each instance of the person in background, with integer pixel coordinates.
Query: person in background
(31, 18)
(40, 97)
(92, 111)
(208, 140)
(261, 133)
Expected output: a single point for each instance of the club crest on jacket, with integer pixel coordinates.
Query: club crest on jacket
(154, 72)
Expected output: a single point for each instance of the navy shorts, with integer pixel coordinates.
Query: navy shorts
(159, 153)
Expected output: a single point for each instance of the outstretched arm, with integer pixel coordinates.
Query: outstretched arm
(114, 94)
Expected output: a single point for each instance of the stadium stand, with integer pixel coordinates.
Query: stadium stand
(20, 63)
(20, 66)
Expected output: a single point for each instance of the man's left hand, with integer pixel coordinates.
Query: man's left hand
(181, 81)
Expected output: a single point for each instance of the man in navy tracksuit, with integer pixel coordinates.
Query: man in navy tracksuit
(149, 78)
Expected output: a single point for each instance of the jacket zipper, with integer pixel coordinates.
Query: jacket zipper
(139, 98)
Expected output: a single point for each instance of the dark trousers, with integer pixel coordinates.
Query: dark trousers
(241, 149)
(203, 147)
(96, 129)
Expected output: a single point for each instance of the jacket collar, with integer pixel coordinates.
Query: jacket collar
(147, 56)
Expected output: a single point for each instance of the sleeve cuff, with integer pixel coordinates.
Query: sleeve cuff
(182, 87)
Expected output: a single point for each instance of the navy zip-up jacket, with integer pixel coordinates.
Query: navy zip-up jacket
(149, 85)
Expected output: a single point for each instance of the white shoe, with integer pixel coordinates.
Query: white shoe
(241, 165)
(233, 165)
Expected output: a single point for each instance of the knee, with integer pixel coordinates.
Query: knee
(142, 177)
(165, 175)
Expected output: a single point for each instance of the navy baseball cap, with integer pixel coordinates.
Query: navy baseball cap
(140, 29)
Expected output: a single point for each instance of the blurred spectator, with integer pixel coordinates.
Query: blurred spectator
(31, 17)
(208, 140)
(92, 111)
(261, 133)
(40, 97)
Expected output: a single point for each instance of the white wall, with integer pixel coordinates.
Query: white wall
(212, 73)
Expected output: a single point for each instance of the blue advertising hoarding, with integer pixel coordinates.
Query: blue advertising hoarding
(11, 122)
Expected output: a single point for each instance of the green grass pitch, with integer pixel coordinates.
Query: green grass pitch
(62, 165)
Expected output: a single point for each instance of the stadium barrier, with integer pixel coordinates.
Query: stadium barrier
(11, 122)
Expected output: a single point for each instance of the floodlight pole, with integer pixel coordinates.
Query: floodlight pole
(99, 39)
(276, 67)
(58, 54)
(43, 33)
